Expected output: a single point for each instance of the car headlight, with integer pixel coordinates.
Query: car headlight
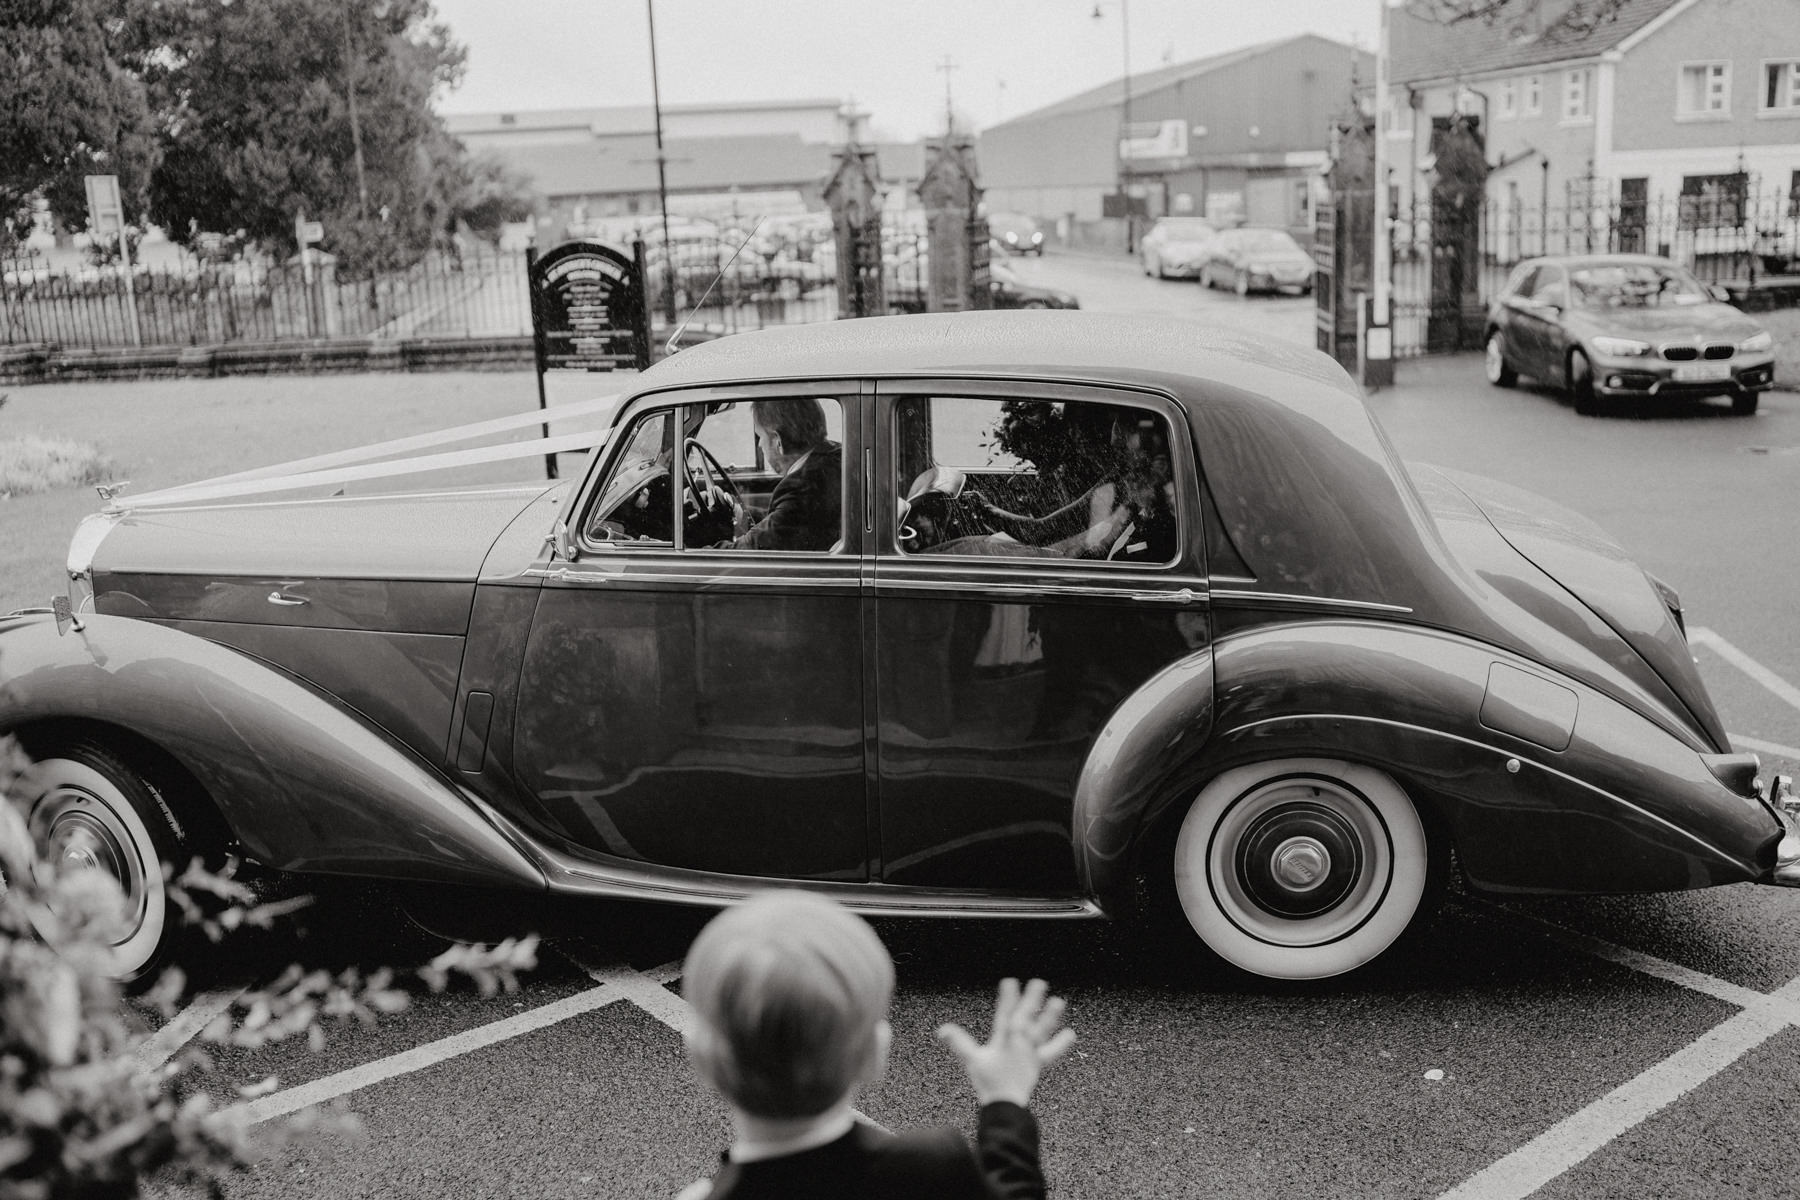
(1012, 239)
(1036, 238)
(1756, 342)
(1616, 347)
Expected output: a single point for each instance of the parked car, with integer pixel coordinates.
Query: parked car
(1111, 599)
(1257, 259)
(1018, 233)
(1010, 291)
(1176, 247)
(1620, 327)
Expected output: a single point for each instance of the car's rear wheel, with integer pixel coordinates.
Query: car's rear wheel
(1499, 373)
(1302, 868)
(91, 807)
(1744, 403)
(1581, 385)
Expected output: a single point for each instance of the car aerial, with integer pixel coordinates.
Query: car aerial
(1104, 607)
(1018, 233)
(1175, 247)
(1612, 328)
(1257, 259)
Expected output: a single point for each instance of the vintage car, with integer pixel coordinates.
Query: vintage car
(1614, 328)
(1086, 610)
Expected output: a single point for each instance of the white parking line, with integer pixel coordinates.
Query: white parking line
(182, 1028)
(1576, 1138)
(1749, 743)
(1746, 664)
(420, 1057)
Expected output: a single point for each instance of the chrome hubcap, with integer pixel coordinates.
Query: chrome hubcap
(1301, 863)
(1300, 857)
(79, 832)
(1494, 361)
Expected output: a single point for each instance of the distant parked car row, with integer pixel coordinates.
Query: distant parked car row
(1247, 259)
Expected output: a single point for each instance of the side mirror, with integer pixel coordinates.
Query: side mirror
(562, 542)
(1719, 293)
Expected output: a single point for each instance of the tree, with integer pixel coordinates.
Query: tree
(283, 107)
(1550, 17)
(69, 107)
(489, 194)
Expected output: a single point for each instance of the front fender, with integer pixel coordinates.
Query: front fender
(1543, 783)
(304, 784)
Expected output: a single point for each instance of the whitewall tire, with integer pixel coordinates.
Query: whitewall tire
(1301, 868)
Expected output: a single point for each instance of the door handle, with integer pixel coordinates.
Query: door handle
(291, 602)
(1183, 596)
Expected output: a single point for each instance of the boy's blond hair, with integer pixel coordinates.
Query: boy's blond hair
(788, 988)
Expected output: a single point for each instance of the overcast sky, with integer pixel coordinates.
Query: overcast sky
(1008, 56)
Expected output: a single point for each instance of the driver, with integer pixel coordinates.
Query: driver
(805, 508)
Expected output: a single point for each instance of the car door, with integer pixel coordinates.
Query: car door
(1537, 311)
(696, 705)
(1001, 645)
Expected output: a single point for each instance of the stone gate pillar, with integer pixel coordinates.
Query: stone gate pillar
(956, 229)
(854, 194)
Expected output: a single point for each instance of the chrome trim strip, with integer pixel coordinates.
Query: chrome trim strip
(1229, 594)
(1037, 590)
(86, 542)
(578, 575)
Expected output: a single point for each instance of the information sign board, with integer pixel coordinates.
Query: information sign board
(587, 309)
(106, 212)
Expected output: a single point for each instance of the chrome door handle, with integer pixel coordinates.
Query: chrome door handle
(278, 598)
(1184, 596)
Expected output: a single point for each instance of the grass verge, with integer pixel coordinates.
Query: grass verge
(37, 464)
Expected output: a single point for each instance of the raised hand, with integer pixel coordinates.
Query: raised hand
(1028, 1035)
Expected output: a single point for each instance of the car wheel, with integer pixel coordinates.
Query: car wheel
(1302, 868)
(1498, 372)
(1241, 285)
(1581, 385)
(90, 807)
(1033, 304)
(1744, 403)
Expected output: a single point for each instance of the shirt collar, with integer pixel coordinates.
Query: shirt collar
(828, 1127)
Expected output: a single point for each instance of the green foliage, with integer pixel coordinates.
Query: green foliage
(70, 106)
(80, 1118)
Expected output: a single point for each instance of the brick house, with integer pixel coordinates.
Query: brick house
(1672, 126)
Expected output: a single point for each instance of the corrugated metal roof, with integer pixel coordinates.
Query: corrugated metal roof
(1422, 49)
(640, 118)
(588, 166)
(1109, 95)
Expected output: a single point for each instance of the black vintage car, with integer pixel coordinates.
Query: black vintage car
(1613, 328)
(1080, 603)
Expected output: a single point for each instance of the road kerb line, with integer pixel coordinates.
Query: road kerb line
(1746, 664)
(182, 1028)
(420, 1057)
(1577, 1137)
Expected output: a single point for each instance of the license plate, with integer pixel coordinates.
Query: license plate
(1702, 372)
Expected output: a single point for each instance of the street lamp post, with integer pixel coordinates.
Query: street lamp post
(662, 181)
(1124, 119)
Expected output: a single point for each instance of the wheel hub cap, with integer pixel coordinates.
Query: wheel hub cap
(1299, 859)
(1301, 863)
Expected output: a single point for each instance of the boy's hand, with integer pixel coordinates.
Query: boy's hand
(1027, 1037)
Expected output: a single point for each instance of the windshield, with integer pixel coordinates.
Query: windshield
(1634, 285)
(1186, 227)
(1268, 241)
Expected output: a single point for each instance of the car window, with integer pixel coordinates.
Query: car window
(1191, 228)
(636, 503)
(1635, 285)
(1035, 479)
(775, 466)
(1522, 282)
(1268, 241)
(1549, 286)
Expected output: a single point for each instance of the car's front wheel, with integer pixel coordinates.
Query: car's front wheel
(1581, 385)
(1744, 403)
(1498, 371)
(1241, 285)
(92, 808)
(1302, 868)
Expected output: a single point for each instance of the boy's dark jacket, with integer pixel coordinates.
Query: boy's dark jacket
(867, 1164)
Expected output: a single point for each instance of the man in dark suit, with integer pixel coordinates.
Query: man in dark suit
(806, 508)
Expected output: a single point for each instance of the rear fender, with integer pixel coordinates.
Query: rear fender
(1542, 783)
(304, 783)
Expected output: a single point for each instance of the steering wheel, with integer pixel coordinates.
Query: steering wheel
(700, 461)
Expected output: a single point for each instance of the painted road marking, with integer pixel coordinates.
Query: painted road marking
(182, 1028)
(420, 1057)
(1762, 747)
(1573, 1140)
(1746, 664)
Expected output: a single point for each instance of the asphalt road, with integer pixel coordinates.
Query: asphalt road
(1610, 1047)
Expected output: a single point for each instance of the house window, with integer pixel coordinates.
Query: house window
(1781, 87)
(1506, 104)
(1578, 95)
(1714, 201)
(1704, 90)
(1399, 122)
(1534, 95)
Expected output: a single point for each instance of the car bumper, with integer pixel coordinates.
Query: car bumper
(1261, 282)
(1652, 377)
(1179, 270)
(1786, 804)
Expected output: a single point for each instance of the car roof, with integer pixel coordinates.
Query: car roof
(1165, 352)
(1571, 261)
